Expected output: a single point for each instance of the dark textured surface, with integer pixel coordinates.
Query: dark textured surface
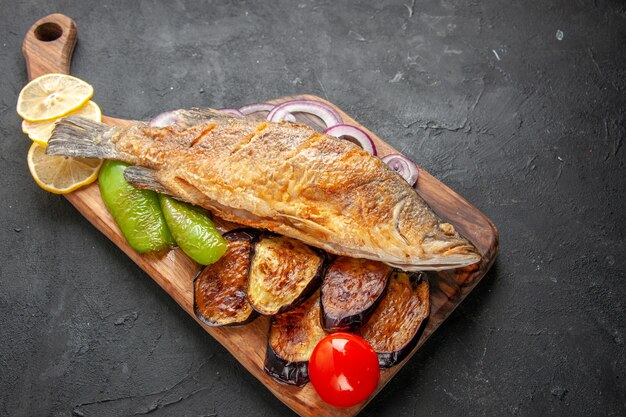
(527, 126)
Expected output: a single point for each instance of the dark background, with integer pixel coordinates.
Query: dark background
(483, 94)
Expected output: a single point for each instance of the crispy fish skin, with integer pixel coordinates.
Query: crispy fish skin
(284, 177)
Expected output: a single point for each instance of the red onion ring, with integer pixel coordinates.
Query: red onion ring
(354, 132)
(259, 107)
(403, 166)
(234, 112)
(321, 110)
(164, 119)
(256, 107)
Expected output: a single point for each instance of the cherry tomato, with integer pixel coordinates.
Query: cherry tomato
(344, 369)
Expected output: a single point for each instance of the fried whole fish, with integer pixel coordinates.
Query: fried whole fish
(283, 177)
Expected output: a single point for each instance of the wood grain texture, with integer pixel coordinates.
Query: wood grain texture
(174, 271)
(48, 45)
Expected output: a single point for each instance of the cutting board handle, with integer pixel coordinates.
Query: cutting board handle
(49, 44)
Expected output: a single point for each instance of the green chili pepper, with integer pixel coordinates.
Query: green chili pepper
(137, 212)
(193, 231)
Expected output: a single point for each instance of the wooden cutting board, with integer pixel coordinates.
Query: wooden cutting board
(48, 48)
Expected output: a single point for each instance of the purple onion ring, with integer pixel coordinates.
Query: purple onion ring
(321, 110)
(403, 166)
(164, 119)
(354, 132)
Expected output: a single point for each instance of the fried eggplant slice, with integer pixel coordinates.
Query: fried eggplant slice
(219, 296)
(397, 323)
(283, 273)
(351, 290)
(292, 337)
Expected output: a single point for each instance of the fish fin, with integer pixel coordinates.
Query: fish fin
(82, 138)
(307, 226)
(197, 115)
(439, 263)
(144, 178)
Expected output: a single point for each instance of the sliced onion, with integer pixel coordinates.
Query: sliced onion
(167, 118)
(354, 132)
(403, 166)
(259, 107)
(321, 110)
(256, 107)
(234, 112)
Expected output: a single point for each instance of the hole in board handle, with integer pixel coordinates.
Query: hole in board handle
(48, 32)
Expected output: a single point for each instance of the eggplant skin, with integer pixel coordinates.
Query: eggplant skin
(389, 359)
(351, 290)
(292, 337)
(283, 273)
(397, 324)
(285, 372)
(219, 289)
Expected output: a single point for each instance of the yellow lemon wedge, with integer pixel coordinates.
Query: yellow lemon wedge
(40, 132)
(61, 174)
(52, 96)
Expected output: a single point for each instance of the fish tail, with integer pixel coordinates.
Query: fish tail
(82, 138)
(144, 178)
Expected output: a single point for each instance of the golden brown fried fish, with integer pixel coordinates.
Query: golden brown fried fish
(284, 177)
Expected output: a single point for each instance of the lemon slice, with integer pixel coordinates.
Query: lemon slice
(61, 174)
(51, 96)
(40, 132)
